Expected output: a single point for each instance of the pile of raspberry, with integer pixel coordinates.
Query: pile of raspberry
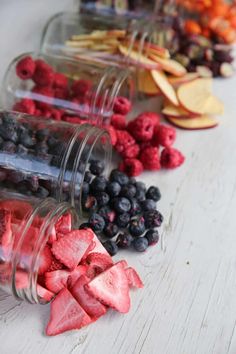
(50, 91)
(143, 143)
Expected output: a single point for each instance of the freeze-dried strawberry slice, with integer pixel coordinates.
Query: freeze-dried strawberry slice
(53, 236)
(71, 248)
(133, 278)
(17, 208)
(45, 260)
(76, 273)
(44, 293)
(111, 288)
(66, 314)
(55, 265)
(123, 263)
(21, 280)
(57, 280)
(98, 247)
(97, 263)
(6, 238)
(63, 225)
(93, 307)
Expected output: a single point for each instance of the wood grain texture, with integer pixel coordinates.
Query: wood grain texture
(188, 304)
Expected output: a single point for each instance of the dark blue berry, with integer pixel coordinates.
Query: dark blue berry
(98, 184)
(153, 218)
(41, 148)
(128, 191)
(137, 226)
(97, 223)
(102, 198)
(110, 230)
(124, 240)
(135, 207)
(21, 149)
(148, 204)
(42, 134)
(113, 189)
(9, 146)
(111, 247)
(52, 141)
(153, 193)
(85, 225)
(122, 220)
(88, 177)
(120, 177)
(122, 205)
(140, 195)
(107, 213)
(89, 203)
(140, 244)
(97, 167)
(42, 192)
(152, 236)
(33, 183)
(1, 141)
(8, 133)
(85, 189)
(141, 186)
(26, 140)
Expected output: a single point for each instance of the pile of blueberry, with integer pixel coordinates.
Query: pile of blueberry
(121, 210)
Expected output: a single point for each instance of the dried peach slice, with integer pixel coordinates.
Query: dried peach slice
(165, 87)
(169, 65)
(203, 122)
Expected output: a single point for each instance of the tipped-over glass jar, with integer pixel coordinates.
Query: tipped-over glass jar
(27, 226)
(45, 158)
(64, 89)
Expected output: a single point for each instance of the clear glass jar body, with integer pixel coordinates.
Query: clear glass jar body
(45, 158)
(26, 226)
(61, 88)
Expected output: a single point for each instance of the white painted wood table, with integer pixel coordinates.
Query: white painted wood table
(188, 304)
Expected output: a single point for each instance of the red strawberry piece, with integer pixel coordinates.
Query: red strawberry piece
(44, 293)
(45, 260)
(133, 278)
(89, 250)
(6, 237)
(93, 307)
(71, 248)
(111, 288)
(76, 274)
(55, 265)
(52, 236)
(18, 209)
(21, 280)
(98, 246)
(63, 224)
(123, 263)
(98, 263)
(66, 314)
(57, 280)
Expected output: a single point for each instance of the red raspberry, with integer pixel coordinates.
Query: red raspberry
(56, 114)
(122, 105)
(72, 119)
(81, 87)
(132, 167)
(38, 113)
(25, 106)
(141, 128)
(60, 81)
(156, 118)
(43, 97)
(113, 135)
(124, 140)
(43, 74)
(171, 158)
(131, 151)
(25, 68)
(61, 93)
(150, 158)
(118, 121)
(164, 135)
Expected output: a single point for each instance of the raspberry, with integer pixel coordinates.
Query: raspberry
(60, 81)
(43, 74)
(72, 119)
(141, 128)
(25, 106)
(61, 93)
(164, 135)
(118, 121)
(25, 68)
(122, 105)
(124, 140)
(156, 118)
(132, 167)
(43, 97)
(131, 151)
(171, 158)
(150, 158)
(56, 114)
(113, 135)
(81, 87)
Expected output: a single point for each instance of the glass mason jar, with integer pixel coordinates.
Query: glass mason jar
(111, 40)
(61, 88)
(26, 226)
(45, 158)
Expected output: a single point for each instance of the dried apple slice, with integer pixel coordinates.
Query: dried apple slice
(100, 35)
(177, 112)
(196, 97)
(146, 84)
(176, 81)
(169, 65)
(165, 87)
(203, 122)
(137, 57)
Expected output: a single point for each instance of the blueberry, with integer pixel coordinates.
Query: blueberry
(135, 207)
(153, 218)
(42, 192)
(140, 186)
(8, 133)
(85, 189)
(152, 236)
(21, 150)
(122, 205)
(153, 193)
(128, 191)
(137, 226)
(88, 177)
(102, 198)
(26, 140)
(9, 121)
(140, 244)
(98, 184)
(23, 187)
(97, 223)
(52, 141)
(33, 183)
(111, 247)
(122, 220)
(85, 225)
(140, 195)
(41, 148)
(110, 230)
(124, 240)
(97, 167)
(148, 204)
(107, 213)
(1, 141)
(89, 203)
(120, 177)
(113, 189)
(9, 146)
(132, 180)
(16, 176)
(42, 134)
